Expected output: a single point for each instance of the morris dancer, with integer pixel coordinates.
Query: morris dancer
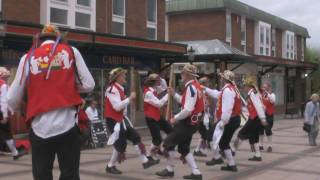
(228, 120)
(269, 100)
(257, 119)
(119, 125)
(51, 76)
(5, 131)
(152, 106)
(186, 123)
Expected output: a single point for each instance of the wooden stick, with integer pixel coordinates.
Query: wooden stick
(170, 98)
(132, 89)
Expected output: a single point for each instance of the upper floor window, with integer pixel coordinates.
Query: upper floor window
(152, 19)
(80, 14)
(288, 45)
(228, 28)
(243, 34)
(273, 42)
(302, 49)
(118, 17)
(264, 38)
(295, 48)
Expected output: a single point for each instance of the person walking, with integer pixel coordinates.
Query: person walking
(311, 117)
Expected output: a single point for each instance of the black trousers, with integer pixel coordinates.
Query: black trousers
(268, 129)
(203, 131)
(155, 127)
(251, 131)
(181, 136)
(130, 134)
(67, 148)
(228, 132)
(5, 130)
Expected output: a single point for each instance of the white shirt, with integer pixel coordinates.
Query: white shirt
(190, 102)
(162, 87)
(92, 113)
(150, 98)
(228, 97)
(115, 99)
(257, 103)
(271, 97)
(3, 100)
(57, 121)
(212, 92)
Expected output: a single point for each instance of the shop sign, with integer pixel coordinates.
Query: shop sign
(119, 60)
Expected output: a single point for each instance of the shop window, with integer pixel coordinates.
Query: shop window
(291, 91)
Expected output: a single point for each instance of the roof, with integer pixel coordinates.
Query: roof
(183, 6)
(210, 47)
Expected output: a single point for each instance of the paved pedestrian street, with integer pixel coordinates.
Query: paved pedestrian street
(291, 159)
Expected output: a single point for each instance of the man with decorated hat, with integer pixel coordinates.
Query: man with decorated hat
(119, 125)
(51, 76)
(185, 124)
(227, 120)
(257, 118)
(152, 110)
(5, 131)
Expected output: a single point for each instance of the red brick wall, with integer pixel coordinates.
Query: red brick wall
(279, 43)
(26, 11)
(250, 36)
(101, 15)
(136, 18)
(197, 26)
(236, 31)
(161, 5)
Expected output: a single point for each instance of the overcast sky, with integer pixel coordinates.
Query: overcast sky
(305, 13)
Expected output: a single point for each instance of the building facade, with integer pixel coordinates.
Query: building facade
(108, 33)
(276, 46)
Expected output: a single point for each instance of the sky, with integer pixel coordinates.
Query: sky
(305, 13)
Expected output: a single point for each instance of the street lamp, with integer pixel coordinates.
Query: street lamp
(190, 54)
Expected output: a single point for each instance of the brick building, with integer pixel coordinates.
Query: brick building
(275, 48)
(108, 33)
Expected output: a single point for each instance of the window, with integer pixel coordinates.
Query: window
(273, 43)
(118, 17)
(80, 14)
(295, 48)
(302, 49)
(84, 2)
(152, 19)
(243, 34)
(59, 16)
(228, 28)
(264, 38)
(288, 45)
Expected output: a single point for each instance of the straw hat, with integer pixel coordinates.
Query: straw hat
(4, 72)
(152, 77)
(116, 72)
(190, 69)
(227, 75)
(250, 80)
(50, 30)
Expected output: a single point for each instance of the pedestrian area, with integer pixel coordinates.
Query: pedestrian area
(291, 159)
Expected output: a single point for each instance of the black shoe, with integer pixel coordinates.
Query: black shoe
(199, 154)
(193, 176)
(255, 158)
(229, 168)
(165, 173)
(113, 170)
(149, 163)
(214, 162)
(20, 154)
(261, 148)
(233, 153)
(151, 159)
(269, 149)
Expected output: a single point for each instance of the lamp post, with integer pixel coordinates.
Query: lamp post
(191, 54)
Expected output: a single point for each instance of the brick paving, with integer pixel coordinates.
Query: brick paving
(291, 159)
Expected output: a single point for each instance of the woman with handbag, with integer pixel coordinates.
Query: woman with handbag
(311, 119)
